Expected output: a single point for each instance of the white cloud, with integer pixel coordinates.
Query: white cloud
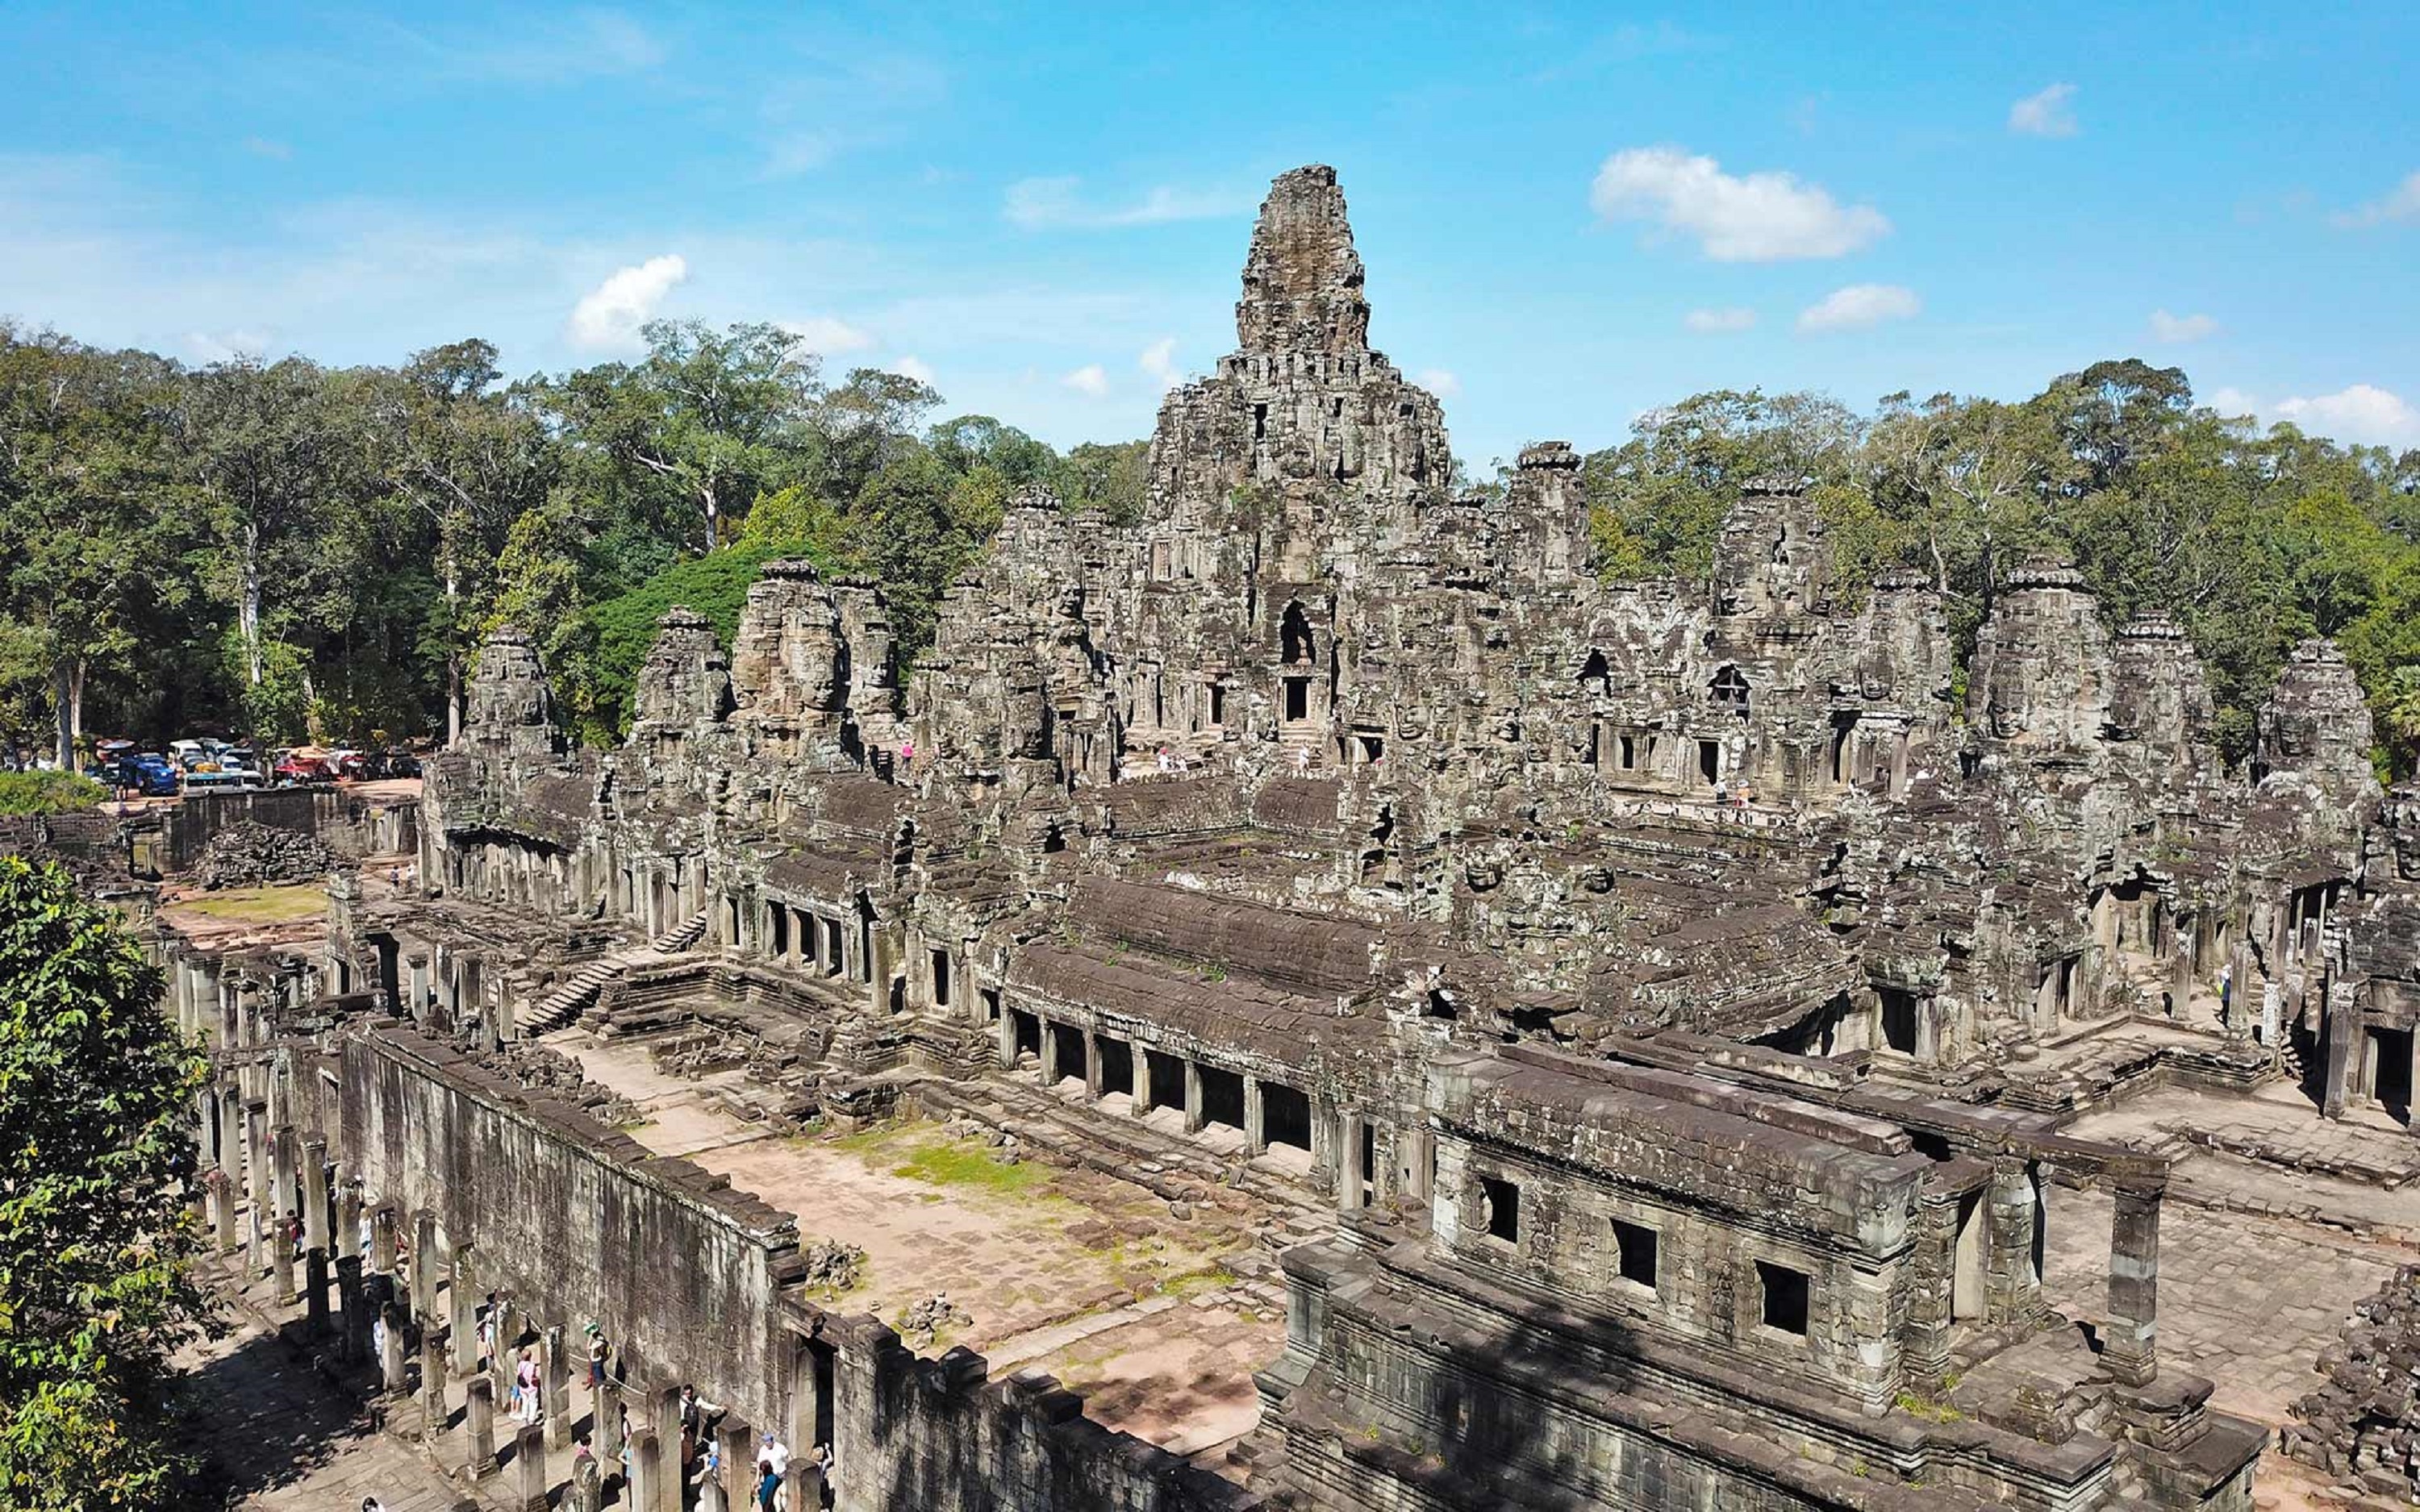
(1159, 361)
(2401, 203)
(1036, 204)
(1764, 217)
(2362, 412)
(1089, 380)
(2050, 112)
(262, 146)
(828, 336)
(2232, 403)
(609, 316)
(227, 346)
(908, 367)
(2175, 329)
(1439, 381)
(1858, 306)
(1733, 319)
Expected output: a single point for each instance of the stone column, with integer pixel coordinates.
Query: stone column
(353, 1340)
(349, 1221)
(466, 1312)
(2343, 1045)
(664, 1417)
(1092, 1068)
(435, 1410)
(1141, 1104)
(479, 1423)
(587, 1492)
(1049, 1053)
(2240, 1012)
(529, 1468)
(647, 1473)
(1255, 1117)
(2012, 1289)
(390, 1375)
(256, 1183)
(611, 1427)
(738, 1442)
(315, 1293)
(1348, 1169)
(557, 1388)
(230, 1120)
(219, 1193)
(2130, 1350)
(314, 1195)
(382, 1227)
(1926, 1357)
(424, 1268)
(1194, 1115)
(1004, 1040)
(281, 1207)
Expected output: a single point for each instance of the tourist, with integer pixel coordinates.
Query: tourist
(525, 1387)
(371, 1503)
(827, 1472)
(598, 1350)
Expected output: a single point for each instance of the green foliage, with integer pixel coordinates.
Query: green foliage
(715, 585)
(96, 1157)
(41, 793)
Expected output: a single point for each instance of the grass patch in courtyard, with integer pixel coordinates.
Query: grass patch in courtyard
(946, 1163)
(259, 905)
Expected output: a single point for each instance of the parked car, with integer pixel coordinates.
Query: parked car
(211, 778)
(298, 767)
(151, 773)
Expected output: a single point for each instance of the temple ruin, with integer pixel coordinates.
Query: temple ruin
(1564, 1044)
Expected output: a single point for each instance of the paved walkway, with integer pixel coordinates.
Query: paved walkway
(278, 1435)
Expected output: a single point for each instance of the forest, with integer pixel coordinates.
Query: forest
(285, 550)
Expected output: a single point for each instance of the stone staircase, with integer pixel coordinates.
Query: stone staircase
(571, 999)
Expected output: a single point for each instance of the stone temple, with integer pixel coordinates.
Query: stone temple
(1491, 1038)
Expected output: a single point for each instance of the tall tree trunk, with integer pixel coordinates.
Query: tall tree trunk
(248, 612)
(453, 651)
(64, 695)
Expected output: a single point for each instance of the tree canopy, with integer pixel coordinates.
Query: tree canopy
(97, 1157)
(282, 550)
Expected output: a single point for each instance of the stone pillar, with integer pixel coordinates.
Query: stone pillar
(1141, 1103)
(382, 1227)
(2344, 1042)
(587, 1492)
(1004, 1040)
(2241, 1012)
(466, 1312)
(349, 1221)
(281, 1207)
(647, 1473)
(315, 1293)
(314, 1195)
(2130, 1350)
(479, 1424)
(612, 1429)
(1255, 1120)
(1925, 1356)
(528, 1469)
(664, 1417)
(557, 1388)
(219, 1194)
(738, 1442)
(1348, 1166)
(1049, 1053)
(230, 1118)
(435, 1410)
(424, 1268)
(353, 1340)
(390, 1375)
(2012, 1289)
(256, 1183)
(1194, 1115)
(1092, 1068)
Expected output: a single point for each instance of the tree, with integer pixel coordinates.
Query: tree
(708, 421)
(97, 1158)
(88, 529)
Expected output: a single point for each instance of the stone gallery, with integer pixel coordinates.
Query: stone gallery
(1497, 1038)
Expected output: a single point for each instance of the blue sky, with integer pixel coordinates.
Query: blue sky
(1570, 215)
